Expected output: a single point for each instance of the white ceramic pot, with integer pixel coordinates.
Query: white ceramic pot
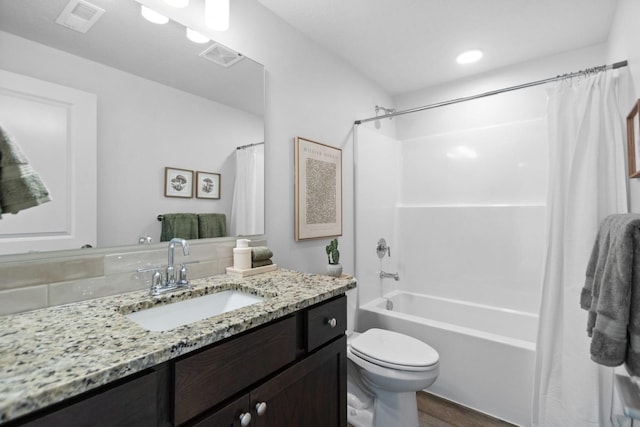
(334, 270)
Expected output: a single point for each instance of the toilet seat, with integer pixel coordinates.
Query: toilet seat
(394, 350)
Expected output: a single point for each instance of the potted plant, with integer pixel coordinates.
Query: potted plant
(334, 268)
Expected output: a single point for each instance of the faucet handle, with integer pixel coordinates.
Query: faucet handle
(183, 275)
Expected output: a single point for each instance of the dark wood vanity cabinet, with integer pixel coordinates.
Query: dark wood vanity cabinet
(288, 373)
(308, 391)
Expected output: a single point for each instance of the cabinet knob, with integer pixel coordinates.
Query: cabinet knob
(332, 322)
(245, 419)
(261, 408)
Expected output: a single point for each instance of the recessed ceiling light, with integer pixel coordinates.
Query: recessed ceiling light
(196, 37)
(469, 56)
(153, 16)
(216, 14)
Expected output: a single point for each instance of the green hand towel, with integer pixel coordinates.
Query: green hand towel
(20, 186)
(212, 225)
(181, 225)
(260, 253)
(263, 263)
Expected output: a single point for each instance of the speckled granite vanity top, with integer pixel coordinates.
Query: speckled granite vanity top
(52, 354)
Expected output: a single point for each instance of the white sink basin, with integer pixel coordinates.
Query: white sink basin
(165, 317)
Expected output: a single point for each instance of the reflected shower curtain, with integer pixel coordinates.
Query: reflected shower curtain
(247, 210)
(587, 181)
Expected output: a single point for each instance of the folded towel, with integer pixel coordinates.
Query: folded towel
(262, 263)
(20, 186)
(212, 225)
(181, 225)
(611, 293)
(260, 253)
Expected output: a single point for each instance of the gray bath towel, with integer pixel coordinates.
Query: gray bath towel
(611, 293)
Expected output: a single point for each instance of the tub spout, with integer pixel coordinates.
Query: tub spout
(394, 276)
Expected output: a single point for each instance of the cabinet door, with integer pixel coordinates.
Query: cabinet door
(312, 393)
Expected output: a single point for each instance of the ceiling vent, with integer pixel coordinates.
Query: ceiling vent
(79, 15)
(221, 55)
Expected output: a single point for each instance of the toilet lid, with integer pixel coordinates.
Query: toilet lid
(392, 349)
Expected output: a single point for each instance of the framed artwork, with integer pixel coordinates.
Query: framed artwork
(208, 185)
(633, 140)
(178, 182)
(318, 190)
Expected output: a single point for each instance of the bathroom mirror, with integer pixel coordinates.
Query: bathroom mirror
(131, 162)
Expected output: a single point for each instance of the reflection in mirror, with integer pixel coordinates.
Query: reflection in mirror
(161, 101)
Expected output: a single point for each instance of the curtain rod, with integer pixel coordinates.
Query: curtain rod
(495, 92)
(242, 147)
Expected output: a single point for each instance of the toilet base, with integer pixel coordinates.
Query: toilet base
(395, 409)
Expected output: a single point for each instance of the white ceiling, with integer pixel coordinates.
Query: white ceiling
(404, 45)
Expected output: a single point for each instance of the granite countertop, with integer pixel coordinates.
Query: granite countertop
(52, 354)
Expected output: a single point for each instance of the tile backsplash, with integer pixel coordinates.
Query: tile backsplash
(33, 284)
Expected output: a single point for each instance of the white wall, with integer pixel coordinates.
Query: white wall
(143, 127)
(623, 44)
(309, 93)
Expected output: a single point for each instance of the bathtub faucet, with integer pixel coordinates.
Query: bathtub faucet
(394, 276)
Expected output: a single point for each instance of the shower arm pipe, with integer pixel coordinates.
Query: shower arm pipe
(494, 92)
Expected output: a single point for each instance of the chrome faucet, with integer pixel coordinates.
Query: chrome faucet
(171, 271)
(394, 276)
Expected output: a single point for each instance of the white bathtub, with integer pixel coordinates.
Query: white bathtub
(486, 353)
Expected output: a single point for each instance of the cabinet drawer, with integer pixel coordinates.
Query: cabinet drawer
(132, 403)
(211, 376)
(321, 327)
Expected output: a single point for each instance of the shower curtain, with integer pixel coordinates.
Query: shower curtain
(247, 209)
(587, 181)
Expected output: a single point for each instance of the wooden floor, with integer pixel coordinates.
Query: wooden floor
(433, 411)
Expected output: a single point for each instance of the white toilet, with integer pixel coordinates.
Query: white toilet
(385, 369)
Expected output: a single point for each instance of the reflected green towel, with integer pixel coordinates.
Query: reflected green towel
(20, 186)
(181, 225)
(212, 225)
(260, 253)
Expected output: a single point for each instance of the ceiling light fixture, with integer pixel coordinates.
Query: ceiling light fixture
(469, 56)
(197, 37)
(177, 3)
(153, 16)
(216, 14)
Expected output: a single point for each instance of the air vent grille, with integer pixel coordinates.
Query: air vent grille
(221, 55)
(79, 15)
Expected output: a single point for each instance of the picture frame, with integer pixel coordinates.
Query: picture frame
(318, 190)
(178, 182)
(207, 185)
(633, 140)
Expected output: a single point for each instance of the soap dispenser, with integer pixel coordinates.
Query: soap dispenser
(242, 255)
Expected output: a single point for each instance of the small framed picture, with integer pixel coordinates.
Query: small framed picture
(208, 185)
(178, 182)
(633, 140)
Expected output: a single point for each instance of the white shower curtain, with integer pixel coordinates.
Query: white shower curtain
(587, 181)
(247, 210)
